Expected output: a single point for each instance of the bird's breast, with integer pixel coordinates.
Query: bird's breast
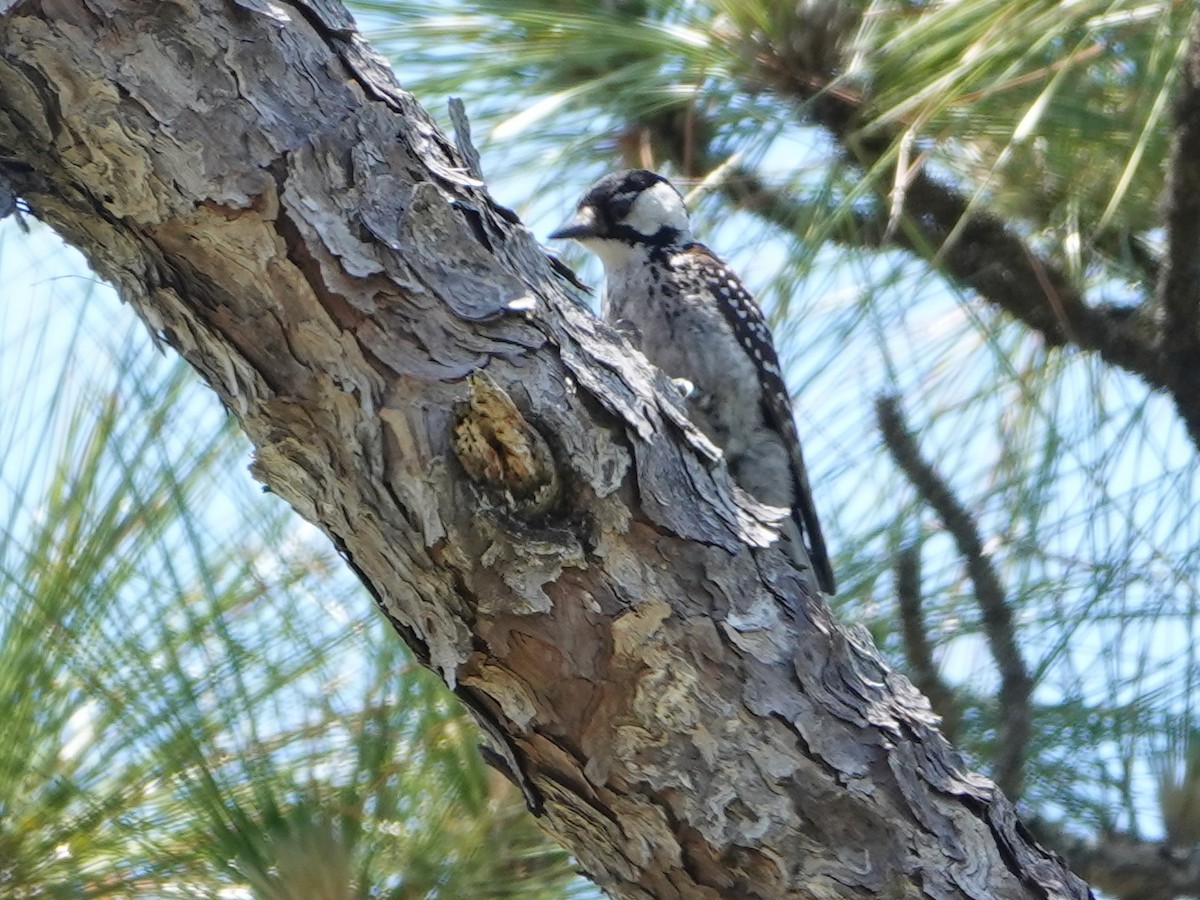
(687, 337)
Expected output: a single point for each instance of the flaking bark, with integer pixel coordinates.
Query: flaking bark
(673, 696)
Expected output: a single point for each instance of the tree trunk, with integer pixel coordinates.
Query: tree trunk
(674, 698)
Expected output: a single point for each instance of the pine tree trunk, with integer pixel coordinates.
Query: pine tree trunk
(524, 499)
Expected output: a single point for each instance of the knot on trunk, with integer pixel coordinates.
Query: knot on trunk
(501, 451)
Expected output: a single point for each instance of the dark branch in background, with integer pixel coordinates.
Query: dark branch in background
(1015, 717)
(921, 666)
(986, 255)
(1125, 867)
(1179, 278)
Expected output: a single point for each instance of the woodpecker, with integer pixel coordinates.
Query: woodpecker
(676, 301)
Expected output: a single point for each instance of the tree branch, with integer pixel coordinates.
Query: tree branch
(555, 540)
(1012, 739)
(1179, 277)
(981, 252)
(916, 641)
(1128, 868)
(985, 254)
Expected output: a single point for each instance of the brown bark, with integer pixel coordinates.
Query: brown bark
(675, 699)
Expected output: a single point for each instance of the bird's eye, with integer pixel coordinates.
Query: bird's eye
(620, 203)
(621, 206)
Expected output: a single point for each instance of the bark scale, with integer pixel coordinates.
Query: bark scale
(525, 499)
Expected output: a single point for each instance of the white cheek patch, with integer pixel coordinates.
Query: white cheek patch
(658, 207)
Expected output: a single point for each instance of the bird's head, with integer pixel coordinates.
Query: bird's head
(627, 213)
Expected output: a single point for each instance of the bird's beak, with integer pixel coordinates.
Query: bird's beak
(586, 224)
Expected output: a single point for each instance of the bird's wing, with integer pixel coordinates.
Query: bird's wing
(751, 330)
